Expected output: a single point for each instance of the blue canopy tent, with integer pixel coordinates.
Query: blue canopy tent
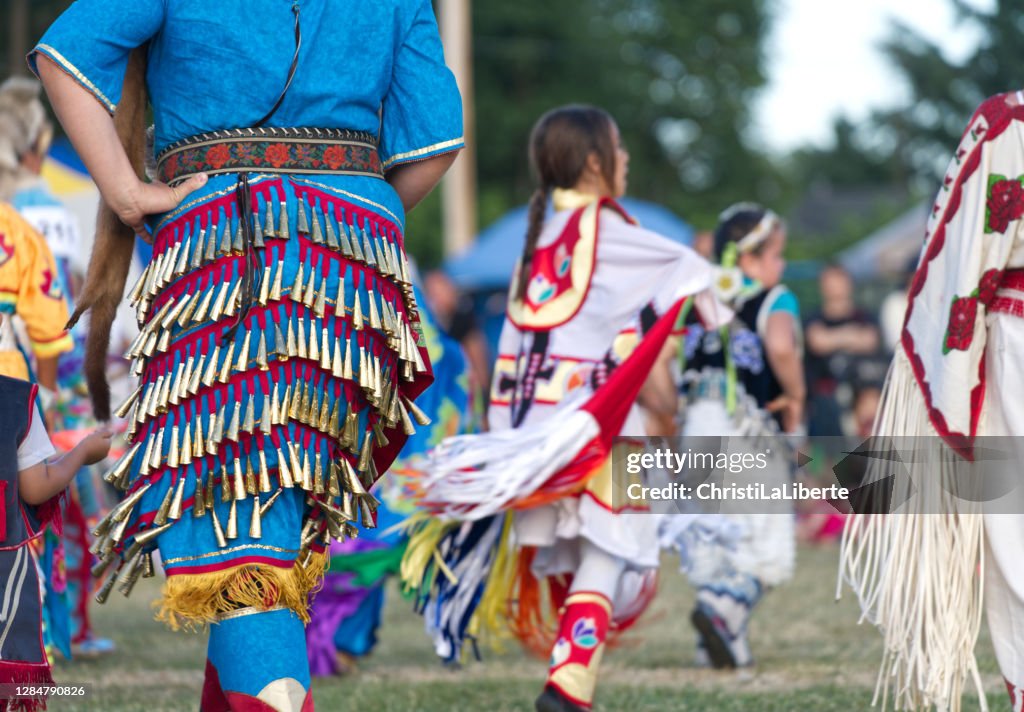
(485, 269)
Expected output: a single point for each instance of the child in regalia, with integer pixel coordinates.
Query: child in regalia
(30, 492)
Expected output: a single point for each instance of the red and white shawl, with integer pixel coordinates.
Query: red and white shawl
(603, 297)
(916, 573)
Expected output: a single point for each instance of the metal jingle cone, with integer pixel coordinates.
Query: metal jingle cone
(198, 446)
(348, 506)
(367, 512)
(320, 303)
(357, 312)
(148, 568)
(280, 345)
(238, 480)
(379, 436)
(172, 451)
(235, 425)
(375, 321)
(284, 475)
(257, 233)
(366, 452)
(310, 292)
(265, 287)
(224, 241)
(332, 237)
(255, 525)
(317, 235)
(198, 500)
(238, 243)
(123, 465)
(218, 533)
(268, 223)
(123, 409)
(407, 427)
(324, 417)
(291, 345)
(204, 306)
(368, 257)
(334, 423)
(300, 335)
(210, 374)
(282, 225)
(250, 478)
(208, 496)
(217, 428)
(333, 482)
(262, 360)
(296, 290)
(103, 564)
(249, 422)
(192, 387)
(302, 223)
(318, 476)
(163, 511)
(314, 344)
(179, 494)
(232, 529)
(104, 593)
(275, 290)
(418, 415)
(120, 513)
(339, 301)
(296, 466)
(265, 507)
(266, 416)
(242, 364)
(347, 373)
(352, 479)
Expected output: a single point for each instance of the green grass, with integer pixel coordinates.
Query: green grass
(811, 655)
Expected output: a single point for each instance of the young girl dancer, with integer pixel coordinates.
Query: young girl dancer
(591, 305)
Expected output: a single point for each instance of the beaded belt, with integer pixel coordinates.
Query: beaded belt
(271, 150)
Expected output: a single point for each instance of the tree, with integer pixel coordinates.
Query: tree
(678, 77)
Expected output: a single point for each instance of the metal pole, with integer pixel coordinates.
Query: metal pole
(458, 191)
(17, 36)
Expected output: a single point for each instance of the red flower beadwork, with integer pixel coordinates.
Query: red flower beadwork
(334, 157)
(988, 285)
(278, 154)
(1005, 203)
(960, 331)
(218, 155)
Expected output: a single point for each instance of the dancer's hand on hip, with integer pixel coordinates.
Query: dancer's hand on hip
(152, 199)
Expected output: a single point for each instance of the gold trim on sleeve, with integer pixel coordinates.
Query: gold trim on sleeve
(401, 157)
(73, 71)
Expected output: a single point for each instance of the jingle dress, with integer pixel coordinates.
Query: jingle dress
(278, 354)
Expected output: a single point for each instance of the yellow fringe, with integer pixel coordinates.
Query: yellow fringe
(426, 533)
(192, 600)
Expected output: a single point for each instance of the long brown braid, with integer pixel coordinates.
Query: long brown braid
(561, 142)
(112, 251)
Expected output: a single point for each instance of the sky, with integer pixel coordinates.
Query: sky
(824, 61)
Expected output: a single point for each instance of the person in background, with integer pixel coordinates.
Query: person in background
(742, 381)
(280, 357)
(456, 317)
(839, 336)
(26, 132)
(30, 492)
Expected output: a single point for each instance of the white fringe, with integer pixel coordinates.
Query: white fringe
(916, 574)
(469, 477)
